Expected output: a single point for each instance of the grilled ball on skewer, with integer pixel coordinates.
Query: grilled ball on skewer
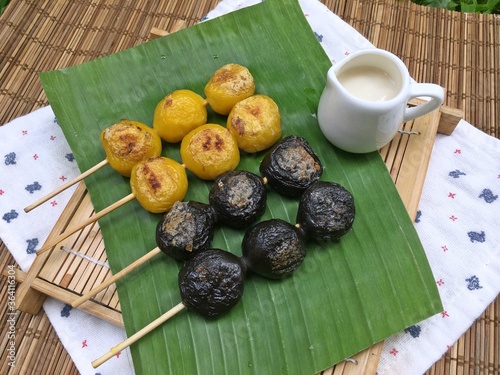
(212, 282)
(291, 166)
(128, 142)
(157, 183)
(209, 150)
(255, 123)
(273, 248)
(326, 211)
(238, 197)
(186, 229)
(178, 113)
(227, 86)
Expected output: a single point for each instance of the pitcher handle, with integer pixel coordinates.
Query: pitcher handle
(435, 92)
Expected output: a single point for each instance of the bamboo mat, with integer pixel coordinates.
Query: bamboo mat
(455, 50)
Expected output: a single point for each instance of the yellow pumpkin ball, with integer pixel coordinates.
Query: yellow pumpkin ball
(209, 150)
(228, 85)
(255, 123)
(178, 113)
(157, 183)
(128, 142)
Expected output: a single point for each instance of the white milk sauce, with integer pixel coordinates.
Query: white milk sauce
(368, 83)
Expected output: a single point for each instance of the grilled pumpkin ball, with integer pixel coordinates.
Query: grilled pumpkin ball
(186, 229)
(326, 211)
(238, 197)
(210, 150)
(291, 166)
(227, 86)
(273, 248)
(178, 113)
(157, 183)
(255, 123)
(212, 282)
(128, 142)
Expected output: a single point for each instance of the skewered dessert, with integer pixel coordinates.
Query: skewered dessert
(158, 191)
(209, 150)
(128, 142)
(157, 183)
(291, 166)
(326, 211)
(273, 248)
(186, 229)
(238, 197)
(255, 123)
(227, 86)
(125, 143)
(212, 282)
(178, 113)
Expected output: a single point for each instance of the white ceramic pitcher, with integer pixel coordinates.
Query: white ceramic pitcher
(365, 100)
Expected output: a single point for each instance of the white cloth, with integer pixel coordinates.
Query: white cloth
(458, 226)
(36, 159)
(457, 221)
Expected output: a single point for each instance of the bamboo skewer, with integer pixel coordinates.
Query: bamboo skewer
(84, 223)
(66, 185)
(115, 278)
(139, 334)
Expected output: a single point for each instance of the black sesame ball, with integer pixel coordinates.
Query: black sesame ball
(273, 248)
(211, 282)
(291, 166)
(326, 211)
(186, 229)
(239, 198)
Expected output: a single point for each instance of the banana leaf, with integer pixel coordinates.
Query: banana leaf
(347, 295)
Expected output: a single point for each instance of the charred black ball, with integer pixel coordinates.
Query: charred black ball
(211, 282)
(239, 198)
(186, 229)
(291, 166)
(326, 211)
(273, 248)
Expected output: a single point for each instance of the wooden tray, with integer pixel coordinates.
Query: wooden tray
(78, 264)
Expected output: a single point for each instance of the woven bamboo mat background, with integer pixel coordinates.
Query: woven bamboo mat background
(455, 50)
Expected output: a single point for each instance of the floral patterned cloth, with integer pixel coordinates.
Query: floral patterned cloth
(36, 159)
(457, 221)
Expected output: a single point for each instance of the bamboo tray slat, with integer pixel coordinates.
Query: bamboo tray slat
(38, 36)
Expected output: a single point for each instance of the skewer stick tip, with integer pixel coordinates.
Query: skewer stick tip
(84, 223)
(139, 334)
(66, 186)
